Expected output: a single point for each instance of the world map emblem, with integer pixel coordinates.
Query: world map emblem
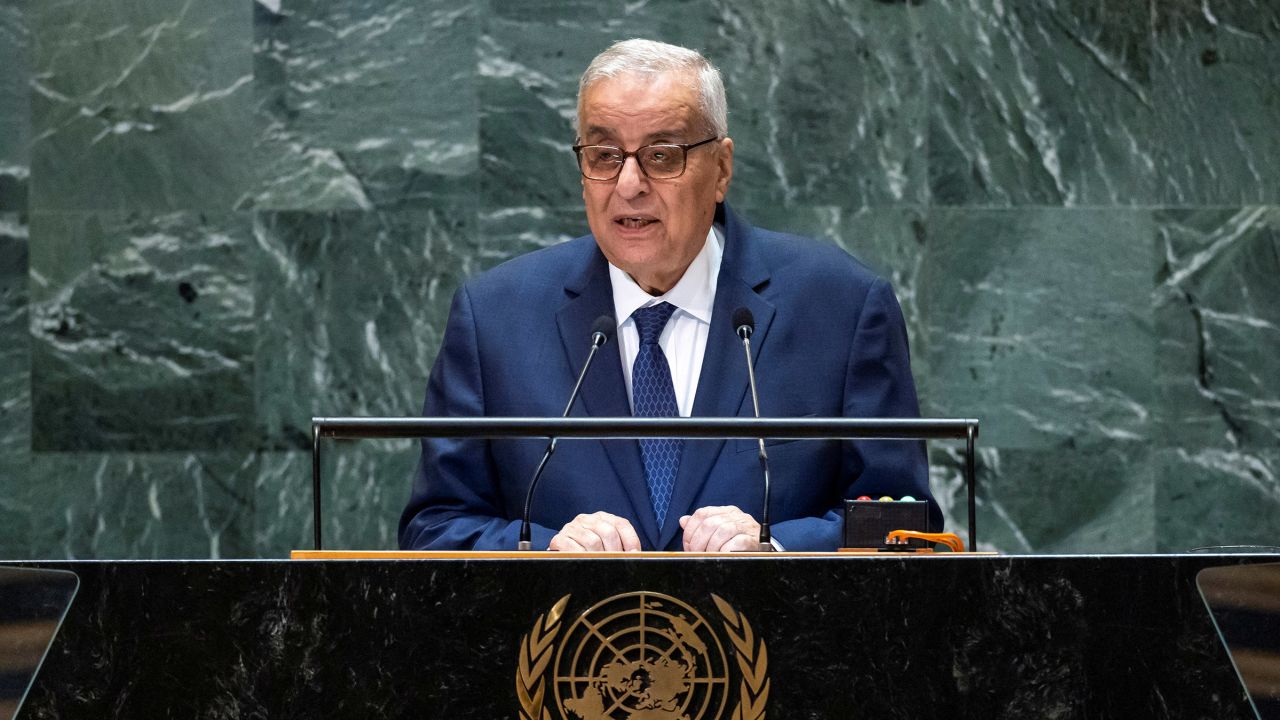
(642, 656)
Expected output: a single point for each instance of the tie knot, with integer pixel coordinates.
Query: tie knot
(650, 321)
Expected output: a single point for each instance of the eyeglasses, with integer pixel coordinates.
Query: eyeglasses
(657, 162)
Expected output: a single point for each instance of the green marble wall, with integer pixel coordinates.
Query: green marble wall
(220, 218)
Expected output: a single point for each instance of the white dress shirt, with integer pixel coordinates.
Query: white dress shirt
(684, 338)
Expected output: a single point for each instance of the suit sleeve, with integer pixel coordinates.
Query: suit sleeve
(457, 501)
(878, 383)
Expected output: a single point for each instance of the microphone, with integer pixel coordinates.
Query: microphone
(744, 324)
(601, 330)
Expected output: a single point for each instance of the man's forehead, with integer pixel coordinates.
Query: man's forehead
(593, 131)
(661, 105)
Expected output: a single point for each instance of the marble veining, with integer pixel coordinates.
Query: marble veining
(1214, 84)
(15, 382)
(15, 97)
(1041, 103)
(142, 332)
(363, 104)
(1014, 302)
(219, 219)
(138, 105)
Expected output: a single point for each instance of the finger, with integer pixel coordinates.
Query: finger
(709, 510)
(726, 532)
(602, 525)
(700, 538)
(684, 520)
(690, 532)
(744, 542)
(693, 541)
(582, 534)
(564, 543)
(630, 540)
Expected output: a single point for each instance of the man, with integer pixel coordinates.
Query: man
(671, 262)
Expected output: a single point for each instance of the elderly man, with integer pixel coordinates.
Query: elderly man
(670, 262)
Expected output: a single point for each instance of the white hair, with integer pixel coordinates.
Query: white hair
(648, 57)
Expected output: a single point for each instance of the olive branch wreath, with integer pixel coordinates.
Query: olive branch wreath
(753, 662)
(536, 651)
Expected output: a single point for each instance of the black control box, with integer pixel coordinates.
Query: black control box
(867, 522)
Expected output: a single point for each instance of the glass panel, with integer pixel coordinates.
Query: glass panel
(1244, 601)
(32, 606)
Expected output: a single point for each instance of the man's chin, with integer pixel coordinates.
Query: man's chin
(637, 248)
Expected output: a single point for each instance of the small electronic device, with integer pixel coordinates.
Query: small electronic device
(868, 522)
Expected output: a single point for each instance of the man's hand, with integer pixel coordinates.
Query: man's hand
(597, 532)
(720, 529)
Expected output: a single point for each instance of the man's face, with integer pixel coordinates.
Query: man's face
(652, 229)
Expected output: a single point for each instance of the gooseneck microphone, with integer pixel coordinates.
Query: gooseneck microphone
(601, 330)
(744, 324)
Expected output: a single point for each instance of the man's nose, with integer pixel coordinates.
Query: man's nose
(632, 181)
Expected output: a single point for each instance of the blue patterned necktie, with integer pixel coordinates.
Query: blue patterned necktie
(654, 395)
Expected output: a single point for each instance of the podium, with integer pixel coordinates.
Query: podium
(485, 635)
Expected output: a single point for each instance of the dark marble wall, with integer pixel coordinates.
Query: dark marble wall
(218, 219)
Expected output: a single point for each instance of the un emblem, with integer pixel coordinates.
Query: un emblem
(642, 656)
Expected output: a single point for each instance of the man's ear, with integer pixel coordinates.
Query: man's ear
(725, 161)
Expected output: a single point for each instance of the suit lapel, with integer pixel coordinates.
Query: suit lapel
(723, 382)
(604, 393)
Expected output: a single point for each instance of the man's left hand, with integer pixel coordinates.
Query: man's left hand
(720, 529)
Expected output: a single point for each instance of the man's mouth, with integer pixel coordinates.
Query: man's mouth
(635, 222)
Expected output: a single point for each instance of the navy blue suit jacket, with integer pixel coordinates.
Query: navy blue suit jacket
(829, 341)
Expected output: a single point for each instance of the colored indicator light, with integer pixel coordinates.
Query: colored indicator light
(886, 498)
(906, 498)
(864, 498)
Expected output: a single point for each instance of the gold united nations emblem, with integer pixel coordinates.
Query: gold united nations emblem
(642, 656)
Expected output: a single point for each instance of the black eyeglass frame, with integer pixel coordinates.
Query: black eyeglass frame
(684, 165)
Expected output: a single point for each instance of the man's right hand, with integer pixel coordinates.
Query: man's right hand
(597, 532)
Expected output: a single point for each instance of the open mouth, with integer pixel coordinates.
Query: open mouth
(635, 222)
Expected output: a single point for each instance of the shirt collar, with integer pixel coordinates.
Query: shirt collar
(694, 293)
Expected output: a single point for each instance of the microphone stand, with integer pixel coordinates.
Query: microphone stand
(766, 540)
(598, 338)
